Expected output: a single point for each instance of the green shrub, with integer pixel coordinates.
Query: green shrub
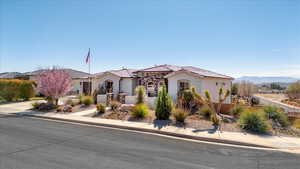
(1, 99)
(87, 100)
(26, 90)
(9, 89)
(163, 104)
(35, 105)
(253, 121)
(140, 111)
(214, 119)
(205, 111)
(297, 124)
(180, 115)
(141, 94)
(115, 105)
(293, 90)
(277, 115)
(80, 97)
(237, 110)
(12, 90)
(101, 108)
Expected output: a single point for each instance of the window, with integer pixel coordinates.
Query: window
(184, 85)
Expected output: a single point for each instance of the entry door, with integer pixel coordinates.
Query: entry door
(86, 88)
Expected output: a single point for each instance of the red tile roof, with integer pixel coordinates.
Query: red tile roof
(161, 68)
(205, 73)
(166, 68)
(120, 72)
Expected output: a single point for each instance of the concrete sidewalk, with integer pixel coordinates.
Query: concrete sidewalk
(291, 144)
(236, 138)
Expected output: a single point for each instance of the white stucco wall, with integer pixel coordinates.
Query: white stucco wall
(210, 85)
(150, 101)
(126, 85)
(76, 86)
(201, 84)
(96, 82)
(101, 98)
(173, 83)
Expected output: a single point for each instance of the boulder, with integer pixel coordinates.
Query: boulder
(68, 108)
(126, 107)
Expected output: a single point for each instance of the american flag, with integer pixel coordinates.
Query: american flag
(88, 57)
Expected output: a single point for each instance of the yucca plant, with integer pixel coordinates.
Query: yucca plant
(215, 116)
(141, 94)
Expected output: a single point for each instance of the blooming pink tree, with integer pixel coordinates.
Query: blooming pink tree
(54, 83)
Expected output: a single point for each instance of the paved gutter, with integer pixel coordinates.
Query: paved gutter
(155, 131)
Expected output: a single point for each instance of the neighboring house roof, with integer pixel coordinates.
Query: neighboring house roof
(121, 73)
(9, 75)
(75, 74)
(161, 68)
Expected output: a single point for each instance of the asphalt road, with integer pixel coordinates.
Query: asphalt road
(27, 143)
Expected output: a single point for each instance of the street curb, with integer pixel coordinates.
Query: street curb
(198, 138)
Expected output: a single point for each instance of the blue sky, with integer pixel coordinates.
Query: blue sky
(234, 37)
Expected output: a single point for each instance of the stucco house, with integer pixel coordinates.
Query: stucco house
(176, 78)
(80, 84)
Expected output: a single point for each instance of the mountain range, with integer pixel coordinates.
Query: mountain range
(270, 79)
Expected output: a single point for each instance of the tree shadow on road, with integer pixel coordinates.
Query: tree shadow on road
(210, 131)
(161, 123)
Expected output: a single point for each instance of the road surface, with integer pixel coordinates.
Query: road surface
(27, 143)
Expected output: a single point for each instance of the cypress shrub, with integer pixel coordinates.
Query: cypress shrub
(163, 105)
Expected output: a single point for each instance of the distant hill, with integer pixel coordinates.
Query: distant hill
(9, 75)
(259, 80)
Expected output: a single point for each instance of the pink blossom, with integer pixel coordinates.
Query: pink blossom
(54, 83)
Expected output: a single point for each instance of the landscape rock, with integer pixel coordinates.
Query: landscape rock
(126, 107)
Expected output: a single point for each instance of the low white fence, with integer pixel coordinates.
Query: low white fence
(130, 99)
(101, 98)
(269, 102)
(150, 101)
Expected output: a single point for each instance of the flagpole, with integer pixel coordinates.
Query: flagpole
(90, 85)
